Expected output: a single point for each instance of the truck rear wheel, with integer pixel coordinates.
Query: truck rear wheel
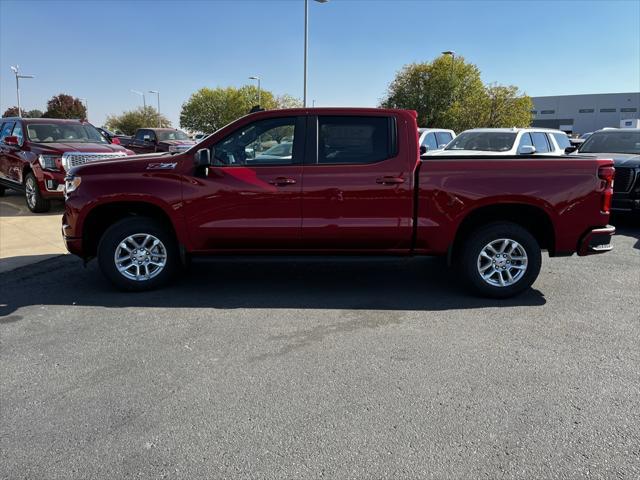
(32, 194)
(137, 253)
(500, 260)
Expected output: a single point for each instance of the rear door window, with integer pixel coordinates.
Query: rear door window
(562, 140)
(430, 141)
(525, 141)
(354, 140)
(443, 138)
(540, 142)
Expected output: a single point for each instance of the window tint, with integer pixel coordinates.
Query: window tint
(607, 110)
(17, 132)
(140, 135)
(430, 141)
(265, 142)
(353, 140)
(562, 140)
(6, 130)
(525, 141)
(547, 112)
(612, 141)
(630, 109)
(540, 142)
(483, 141)
(585, 110)
(443, 137)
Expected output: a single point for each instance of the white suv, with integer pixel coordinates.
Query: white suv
(435, 138)
(507, 141)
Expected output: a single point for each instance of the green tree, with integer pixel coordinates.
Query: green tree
(128, 122)
(35, 113)
(10, 112)
(449, 93)
(209, 109)
(65, 106)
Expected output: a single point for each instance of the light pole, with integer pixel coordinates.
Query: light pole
(158, 94)
(453, 61)
(16, 71)
(306, 43)
(144, 103)
(86, 107)
(258, 79)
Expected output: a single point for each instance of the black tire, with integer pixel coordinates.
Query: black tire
(138, 227)
(32, 195)
(2, 189)
(503, 267)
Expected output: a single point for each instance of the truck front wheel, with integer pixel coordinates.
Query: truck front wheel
(500, 260)
(35, 201)
(138, 254)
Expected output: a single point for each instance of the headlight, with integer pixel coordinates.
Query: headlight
(71, 184)
(50, 162)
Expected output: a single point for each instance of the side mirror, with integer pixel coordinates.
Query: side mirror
(12, 141)
(203, 158)
(527, 150)
(571, 149)
(423, 149)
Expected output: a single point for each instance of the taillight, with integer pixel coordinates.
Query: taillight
(606, 174)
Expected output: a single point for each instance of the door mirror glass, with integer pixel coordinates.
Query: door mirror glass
(203, 158)
(423, 149)
(570, 149)
(526, 150)
(12, 140)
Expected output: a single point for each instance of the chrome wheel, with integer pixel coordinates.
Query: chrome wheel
(502, 262)
(140, 257)
(31, 192)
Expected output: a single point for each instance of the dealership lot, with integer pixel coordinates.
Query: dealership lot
(341, 369)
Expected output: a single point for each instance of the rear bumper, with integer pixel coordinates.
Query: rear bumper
(596, 240)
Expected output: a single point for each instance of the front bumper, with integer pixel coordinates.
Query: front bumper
(596, 240)
(51, 184)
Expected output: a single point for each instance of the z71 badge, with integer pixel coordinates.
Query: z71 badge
(162, 166)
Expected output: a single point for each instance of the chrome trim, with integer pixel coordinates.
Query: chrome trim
(74, 159)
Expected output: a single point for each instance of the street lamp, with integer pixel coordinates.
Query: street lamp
(453, 60)
(16, 71)
(258, 79)
(158, 94)
(144, 103)
(306, 43)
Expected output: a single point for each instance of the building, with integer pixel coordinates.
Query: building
(585, 113)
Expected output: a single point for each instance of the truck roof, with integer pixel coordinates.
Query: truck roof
(45, 120)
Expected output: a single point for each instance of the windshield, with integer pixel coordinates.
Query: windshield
(483, 141)
(64, 132)
(612, 142)
(171, 135)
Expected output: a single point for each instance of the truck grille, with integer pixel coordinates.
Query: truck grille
(623, 179)
(73, 159)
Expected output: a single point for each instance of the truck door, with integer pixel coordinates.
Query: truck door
(144, 142)
(357, 184)
(250, 197)
(5, 150)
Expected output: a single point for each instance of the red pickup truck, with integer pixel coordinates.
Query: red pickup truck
(336, 181)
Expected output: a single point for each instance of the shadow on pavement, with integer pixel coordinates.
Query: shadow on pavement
(11, 263)
(360, 284)
(13, 205)
(628, 225)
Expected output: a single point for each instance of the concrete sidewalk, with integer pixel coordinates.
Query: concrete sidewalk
(26, 237)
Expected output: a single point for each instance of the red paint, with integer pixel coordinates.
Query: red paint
(401, 205)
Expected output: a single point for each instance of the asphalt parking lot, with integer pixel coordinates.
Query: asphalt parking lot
(322, 369)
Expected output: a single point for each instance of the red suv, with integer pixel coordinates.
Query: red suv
(35, 153)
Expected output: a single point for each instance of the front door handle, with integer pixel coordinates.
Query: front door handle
(389, 180)
(282, 181)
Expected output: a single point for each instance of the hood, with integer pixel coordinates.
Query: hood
(462, 153)
(631, 160)
(130, 164)
(80, 147)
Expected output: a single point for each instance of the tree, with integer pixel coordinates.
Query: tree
(209, 109)
(449, 93)
(65, 106)
(35, 113)
(128, 122)
(10, 112)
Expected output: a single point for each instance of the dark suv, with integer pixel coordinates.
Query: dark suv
(35, 153)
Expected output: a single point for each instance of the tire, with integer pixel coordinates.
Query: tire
(140, 243)
(2, 189)
(498, 269)
(35, 202)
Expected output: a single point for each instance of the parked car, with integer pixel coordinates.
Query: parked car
(623, 146)
(113, 137)
(151, 140)
(508, 141)
(577, 141)
(35, 153)
(198, 137)
(365, 191)
(435, 138)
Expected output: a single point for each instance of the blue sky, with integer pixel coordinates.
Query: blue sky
(101, 50)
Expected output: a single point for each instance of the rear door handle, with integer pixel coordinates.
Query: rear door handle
(389, 180)
(282, 181)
